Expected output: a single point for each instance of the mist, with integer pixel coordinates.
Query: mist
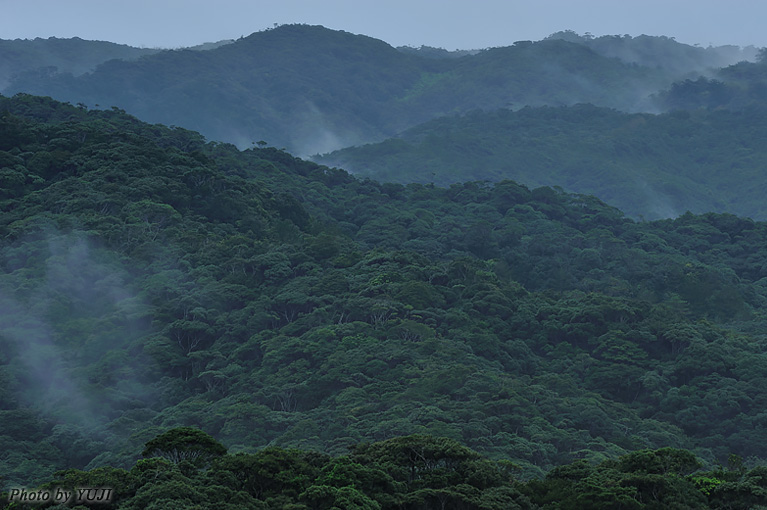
(68, 319)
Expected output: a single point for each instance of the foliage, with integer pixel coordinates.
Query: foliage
(416, 472)
(152, 281)
(184, 444)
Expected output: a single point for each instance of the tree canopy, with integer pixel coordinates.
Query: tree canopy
(463, 341)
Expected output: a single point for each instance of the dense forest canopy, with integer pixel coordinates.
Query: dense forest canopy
(152, 280)
(544, 285)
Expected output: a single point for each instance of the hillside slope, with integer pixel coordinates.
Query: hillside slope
(650, 166)
(737, 87)
(152, 280)
(660, 51)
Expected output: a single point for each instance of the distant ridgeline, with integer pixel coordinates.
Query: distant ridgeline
(665, 52)
(30, 59)
(27, 60)
(151, 280)
(705, 155)
(314, 90)
(513, 112)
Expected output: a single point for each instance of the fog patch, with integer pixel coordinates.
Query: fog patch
(656, 205)
(317, 133)
(240, 140)
(321, 142)
(68, 319)
(47, 385)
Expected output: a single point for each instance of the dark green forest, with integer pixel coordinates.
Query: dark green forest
(198, 326)
(186, 468)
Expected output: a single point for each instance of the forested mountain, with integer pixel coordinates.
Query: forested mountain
(151, 280)
(651, 166)
(24, 59)
(665, 52)
(296, 86)
(313, 90)
(738, 87)
(32, 60)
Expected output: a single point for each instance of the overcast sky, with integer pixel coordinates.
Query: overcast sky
(450, 24)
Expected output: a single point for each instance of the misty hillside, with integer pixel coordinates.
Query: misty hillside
(314, 90)
(293, 86)
(551, 72)
(31, 60)
(654, 166)
(25, 59)
(741, 86)
(665, 52)
(152, 280)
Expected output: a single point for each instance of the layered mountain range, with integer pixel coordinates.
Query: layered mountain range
(182, 319)
(312, 90)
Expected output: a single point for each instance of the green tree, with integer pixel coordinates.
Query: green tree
(184, 444)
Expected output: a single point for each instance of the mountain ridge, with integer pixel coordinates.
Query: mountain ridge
(364, 90)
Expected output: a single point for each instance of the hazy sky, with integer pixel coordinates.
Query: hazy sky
(448, 24)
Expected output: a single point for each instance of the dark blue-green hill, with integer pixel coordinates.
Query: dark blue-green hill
(31, 59)
(314, 90)
(648, 165)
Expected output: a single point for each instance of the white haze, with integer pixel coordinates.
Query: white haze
(32, 324)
